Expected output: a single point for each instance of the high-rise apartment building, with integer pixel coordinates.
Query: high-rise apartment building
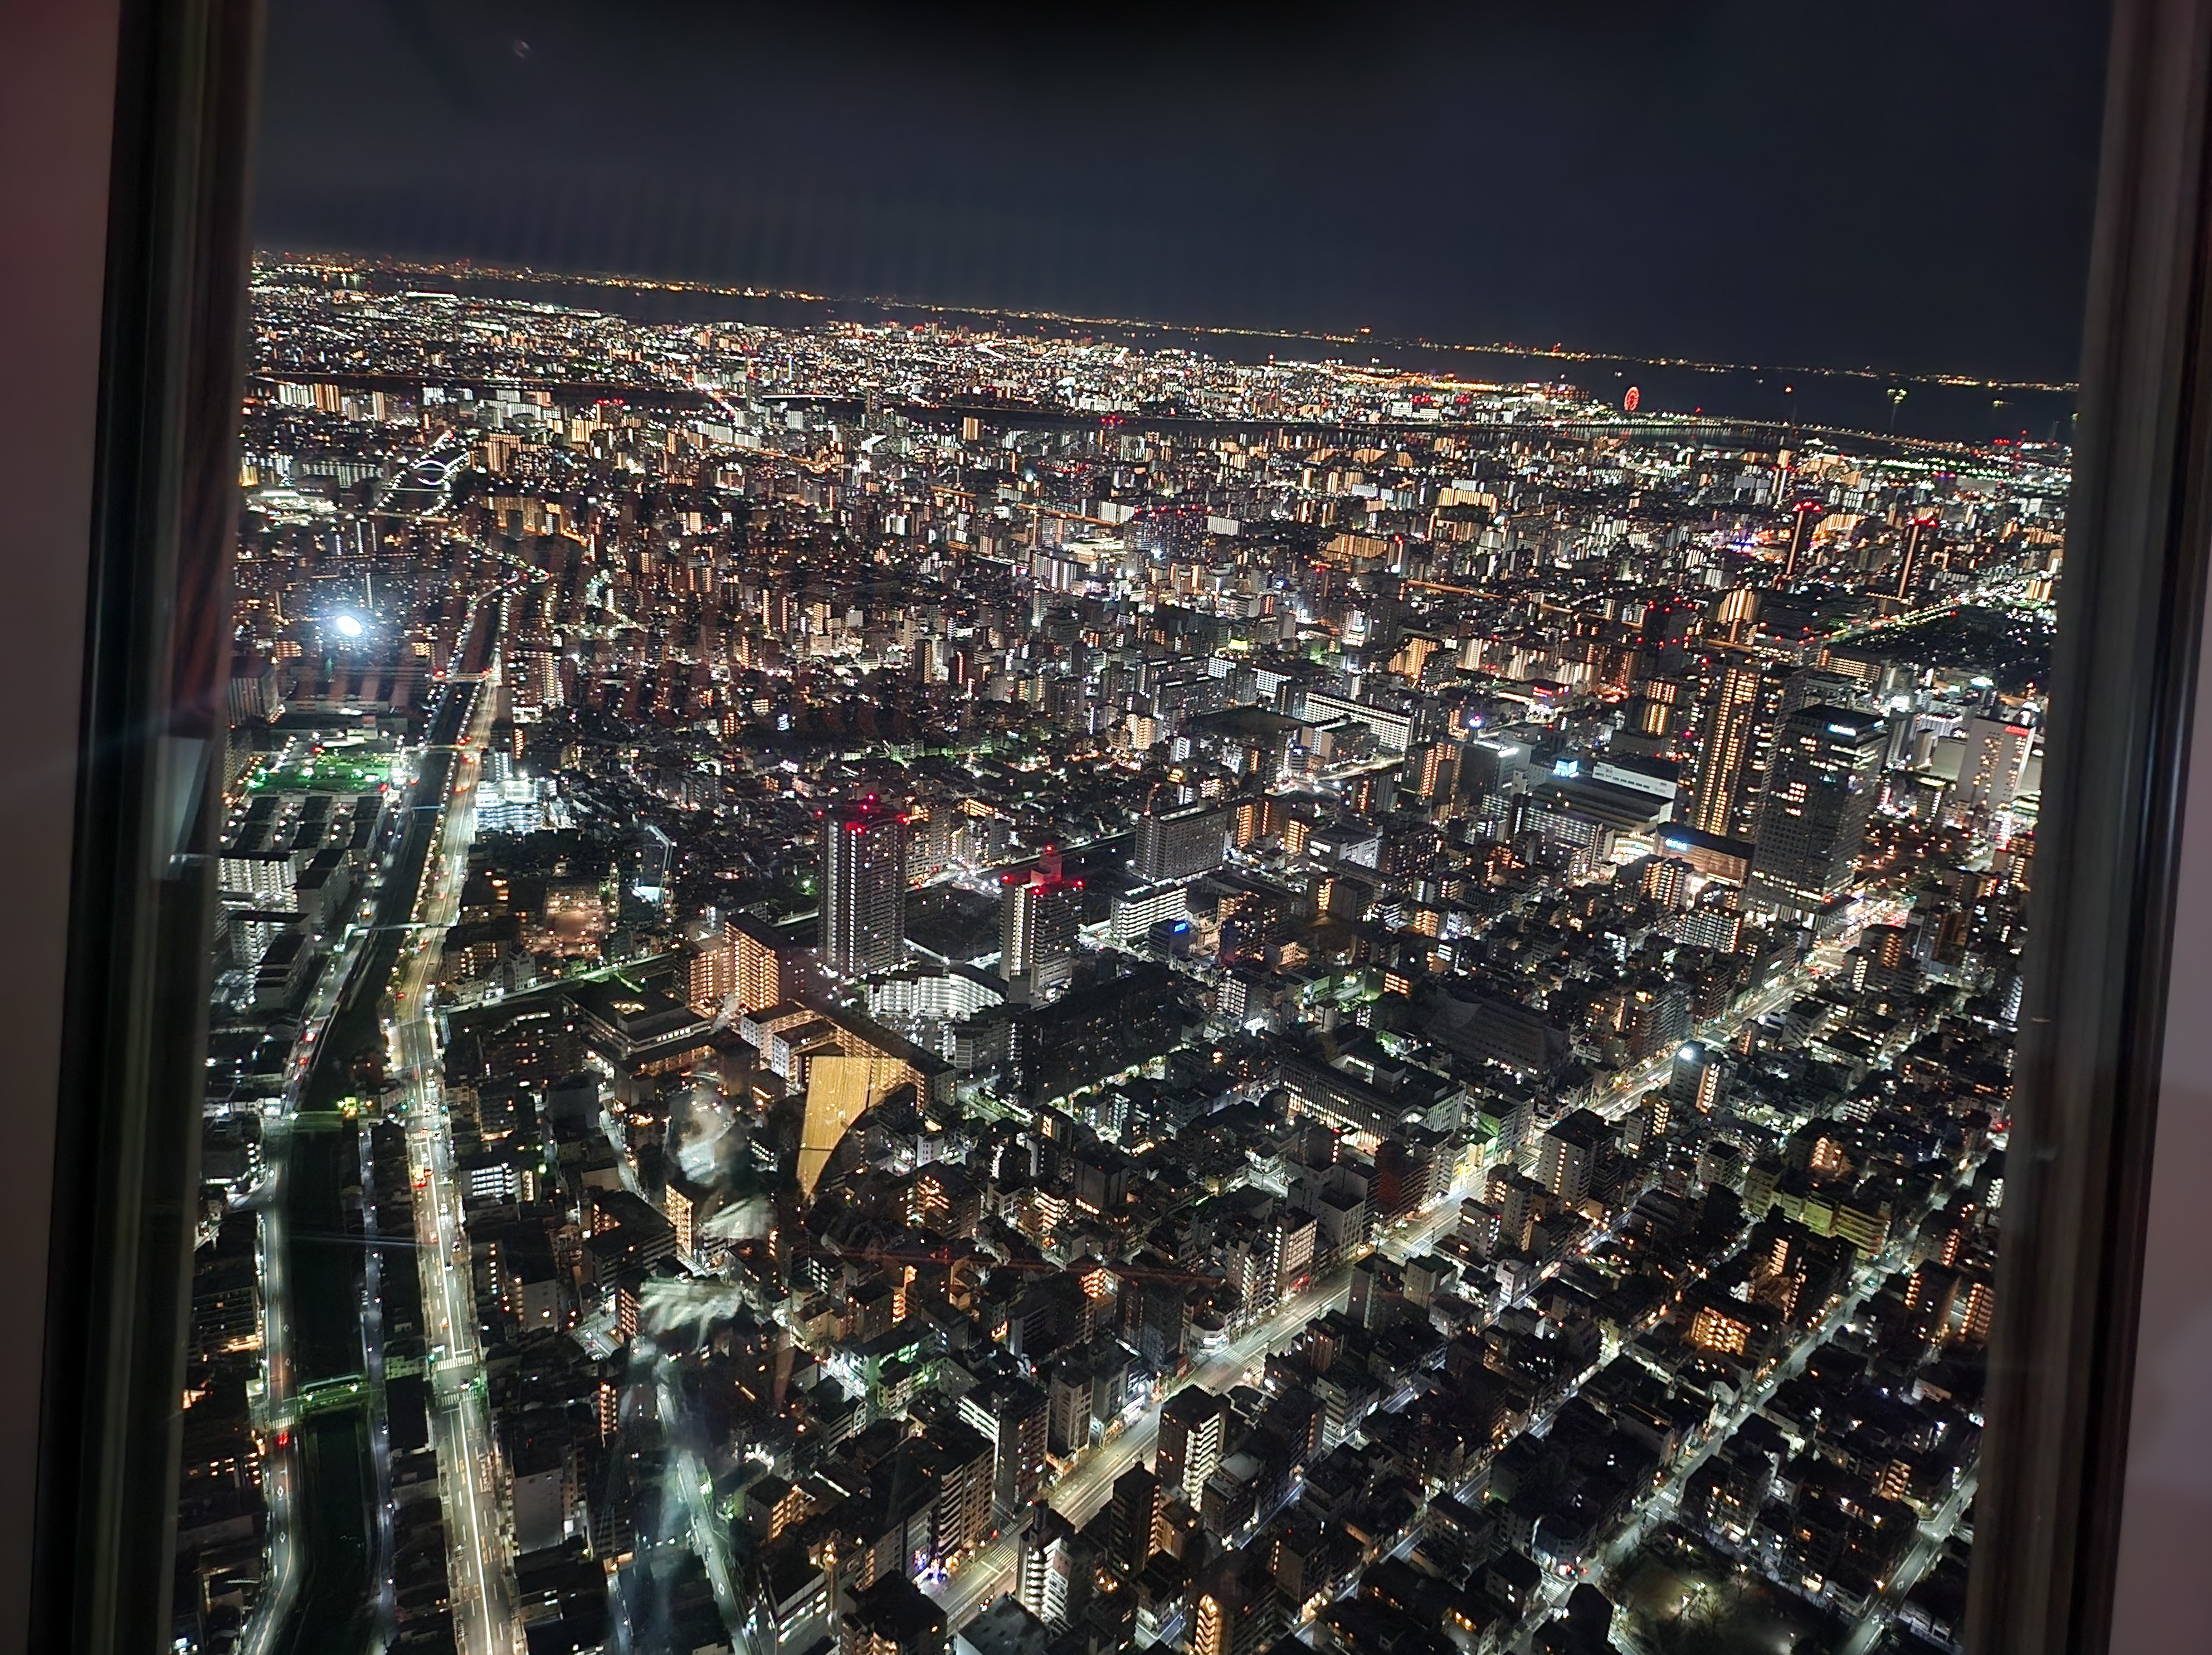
(1013, 1414)
(713, 976)
(1239, 1609)
(1804, 518)
(1138, 909)
(863, 889)
(679, 1208)
(1735, 726)
(1176, 845)
(764, 963)
(1136, 1506)
(1162, 1318)
(1567, 1155)
(1045, 1570)
(1913, 565)
(1695, 1078)
(1821, 788)
(1433, 772)
(1192, 1426)
(1039, 914)
(1666, 881)
(964, 1462)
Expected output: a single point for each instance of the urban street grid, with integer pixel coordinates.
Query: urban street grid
(890, 987)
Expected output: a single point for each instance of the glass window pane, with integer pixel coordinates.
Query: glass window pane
(1159, 835)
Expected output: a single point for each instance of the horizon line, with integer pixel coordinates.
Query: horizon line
(1555, 352)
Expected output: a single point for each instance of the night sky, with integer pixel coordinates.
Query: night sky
(1902, 184)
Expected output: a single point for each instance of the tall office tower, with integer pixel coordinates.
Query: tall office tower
(1039, 914)
(1490, 771)
(1821, 788)
(1735, 724)
(1991, 769)
(1804, 518)
(863, 889)
(1919, 542)
(1177, 843)
(1192, 1426)
(1491, 764)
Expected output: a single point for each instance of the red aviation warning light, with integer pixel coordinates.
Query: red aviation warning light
(1632, 401)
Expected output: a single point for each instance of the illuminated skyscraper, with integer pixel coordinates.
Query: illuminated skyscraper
(863, 889)
(1736, 726)
(1038, 916)
(1821, 788)
(1802, 520)
(1919, 541)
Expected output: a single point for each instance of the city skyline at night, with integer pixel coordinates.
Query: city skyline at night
(912, 981)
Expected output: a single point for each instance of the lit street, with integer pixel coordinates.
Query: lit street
(482, 1572)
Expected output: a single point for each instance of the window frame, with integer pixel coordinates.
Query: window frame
(140, 879)
(117, 1279)
(2109, 841)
